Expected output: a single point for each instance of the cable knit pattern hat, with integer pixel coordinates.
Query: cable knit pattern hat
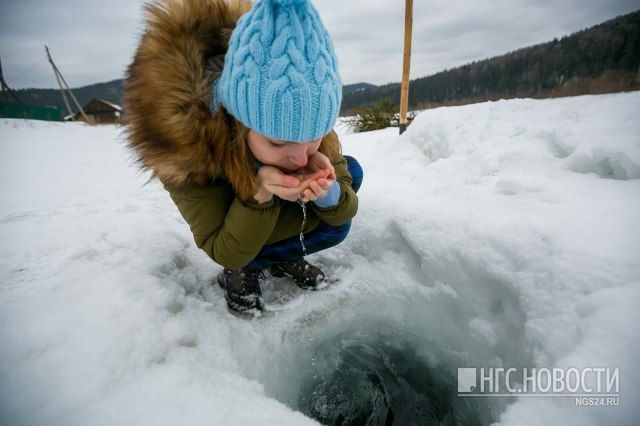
(280, 76)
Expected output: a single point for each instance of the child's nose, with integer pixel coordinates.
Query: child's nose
(298, 155)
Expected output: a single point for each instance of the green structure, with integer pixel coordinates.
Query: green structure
(32, 112)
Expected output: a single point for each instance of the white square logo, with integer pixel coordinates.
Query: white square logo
(466, 379)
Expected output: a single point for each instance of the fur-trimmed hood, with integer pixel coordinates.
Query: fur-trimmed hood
(169, 123)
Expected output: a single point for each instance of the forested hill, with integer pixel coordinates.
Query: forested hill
(602, 59)
(111, 91)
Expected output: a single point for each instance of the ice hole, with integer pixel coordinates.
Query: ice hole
(362, 378)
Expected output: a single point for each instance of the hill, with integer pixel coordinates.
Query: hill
(356, 88)
(111, 90)
(602, 59)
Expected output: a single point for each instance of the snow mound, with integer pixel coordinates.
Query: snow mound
(519, 127)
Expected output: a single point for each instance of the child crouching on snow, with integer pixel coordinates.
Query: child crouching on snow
(237, 124)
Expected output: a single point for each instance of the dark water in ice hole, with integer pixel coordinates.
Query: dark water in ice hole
(370, 380)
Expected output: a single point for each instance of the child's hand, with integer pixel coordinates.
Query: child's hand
(271, 181)
(317, 177)
(317, 188)
(307, 184)
(319, 161)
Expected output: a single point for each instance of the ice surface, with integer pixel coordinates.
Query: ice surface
(498, 234)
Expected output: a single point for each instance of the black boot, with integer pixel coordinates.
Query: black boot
(306, 275)
(242, 289)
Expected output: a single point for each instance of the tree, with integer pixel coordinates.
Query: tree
(383, 114)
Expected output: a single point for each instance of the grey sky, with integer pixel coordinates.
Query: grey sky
(93, 41)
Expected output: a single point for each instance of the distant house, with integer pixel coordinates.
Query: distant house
(100, 111)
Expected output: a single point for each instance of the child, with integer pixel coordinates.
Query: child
(237, 125)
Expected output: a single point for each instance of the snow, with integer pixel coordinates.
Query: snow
(497, 234)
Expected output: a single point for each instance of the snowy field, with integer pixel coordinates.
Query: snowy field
(503, 234)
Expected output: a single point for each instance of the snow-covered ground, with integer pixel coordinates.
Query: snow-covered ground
(503, 234)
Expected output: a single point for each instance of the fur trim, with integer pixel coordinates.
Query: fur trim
(170, 126)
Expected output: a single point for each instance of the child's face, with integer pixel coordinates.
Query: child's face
(287, 156)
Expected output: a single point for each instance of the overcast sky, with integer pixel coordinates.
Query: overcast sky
(93, 41)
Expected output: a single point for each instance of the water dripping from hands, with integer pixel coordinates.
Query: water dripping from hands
(304, 223)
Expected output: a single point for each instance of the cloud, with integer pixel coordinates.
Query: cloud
(90, 42)
(369, 40)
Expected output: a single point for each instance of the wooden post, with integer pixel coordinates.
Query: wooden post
(61, 80)
(64, 97)
(406, 64)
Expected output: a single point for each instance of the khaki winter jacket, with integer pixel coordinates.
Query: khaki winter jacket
(170, 130)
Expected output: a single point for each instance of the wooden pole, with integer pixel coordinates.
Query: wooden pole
(406, 64)
(64, 97)
(61, 80)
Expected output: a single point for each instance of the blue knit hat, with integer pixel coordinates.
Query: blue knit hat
(280, 75)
